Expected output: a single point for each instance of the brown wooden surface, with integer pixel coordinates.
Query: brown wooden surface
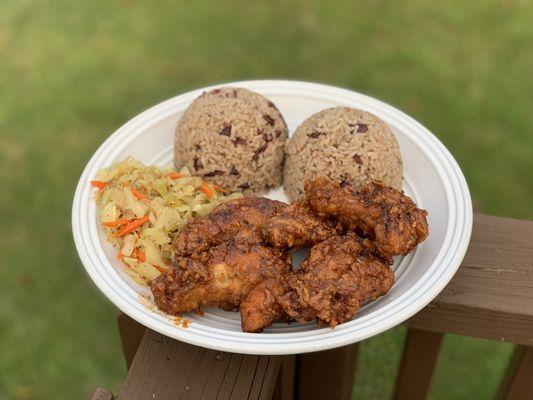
(326, 374)
(131, 334)
(101, 394)
(166, 369)
(491, 296)
(285, 385)
(517, 384)
(420, 353)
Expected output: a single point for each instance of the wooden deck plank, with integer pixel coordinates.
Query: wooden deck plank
(284, 389)
(243, 382)
(255, 390)
(491, 296)
(272, 368)
(213, 367)
(272, 373)
(165, 369)
(228, 381)
(326, 374)
(419, 358)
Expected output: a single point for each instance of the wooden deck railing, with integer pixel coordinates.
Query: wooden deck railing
(491, 297)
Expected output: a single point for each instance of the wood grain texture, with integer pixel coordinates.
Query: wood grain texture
(101, 394)
(326, 374)
(165, 369)
(131, 334)
(491, 295)
(285, 386)
(517, 383)
(419, 358)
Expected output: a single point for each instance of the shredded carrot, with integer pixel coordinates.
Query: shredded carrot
(99, 184)
(175, 175)
(139, 254)
(131, 226)
(159, 268)
(207, 190)
(114, 224)
(140, 195)
(220, 189)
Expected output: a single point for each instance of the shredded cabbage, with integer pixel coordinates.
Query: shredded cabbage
(168, 198)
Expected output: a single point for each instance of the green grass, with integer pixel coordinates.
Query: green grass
(71, 72)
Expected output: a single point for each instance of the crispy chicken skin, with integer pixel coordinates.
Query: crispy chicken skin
(380, 213)
(337, 278)
(221, 276)
(224, 222)
(332, 283)
(296, 226)
(261, 307)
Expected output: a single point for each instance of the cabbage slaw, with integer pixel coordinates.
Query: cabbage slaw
(141, 207)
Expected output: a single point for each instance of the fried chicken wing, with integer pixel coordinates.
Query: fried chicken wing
(332, 283)
(380, 213)
(221, 276)
(297, 226)
(224, 222)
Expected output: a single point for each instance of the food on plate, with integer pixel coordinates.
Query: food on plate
(221, 276)
(297, 226)
(348, 145)
(234, 218)
(331, 284)
(386, 216)
(140, 207)
(220, 257)
(261, 307)
(232, 137)
(236, 256)
(196, 245)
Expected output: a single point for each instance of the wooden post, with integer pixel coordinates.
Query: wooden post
(326, 374)
(131, 334)
(420, 354)
(517, 382)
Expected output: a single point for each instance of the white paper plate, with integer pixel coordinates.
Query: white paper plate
(432, 178)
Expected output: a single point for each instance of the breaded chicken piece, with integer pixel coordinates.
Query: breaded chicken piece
(222, 276)
(224, 222)
(297, 226)
(335, 280)
(331, 285)
(377, 212)
(261, 307)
